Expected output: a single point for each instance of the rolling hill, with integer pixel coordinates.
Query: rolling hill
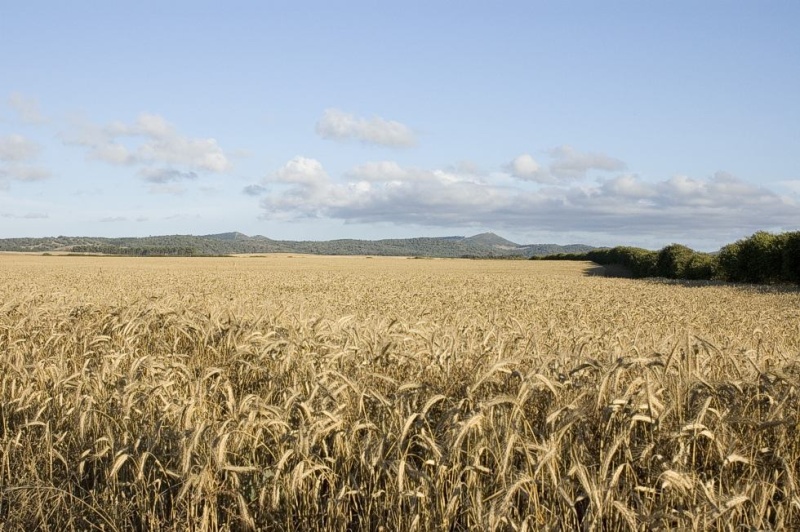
(484, 245)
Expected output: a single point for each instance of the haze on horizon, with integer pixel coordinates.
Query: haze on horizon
(609, 123)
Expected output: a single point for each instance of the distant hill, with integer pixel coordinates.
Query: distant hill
(491, 240)
(229, 236)
(484, 245)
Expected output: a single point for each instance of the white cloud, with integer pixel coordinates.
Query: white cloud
(684, 188)
(527, 168)
(568, 163)
(16, 152)
(153, 126)
(150, 140)
(17, 148)
(27, 108)
(629, 186)
(301, 171)
(202, 154)
(339, 125)
(624, 205)
(390, 171)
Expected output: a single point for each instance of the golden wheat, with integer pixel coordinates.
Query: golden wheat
(279, 392)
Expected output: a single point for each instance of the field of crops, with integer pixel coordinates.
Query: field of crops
(303, 393)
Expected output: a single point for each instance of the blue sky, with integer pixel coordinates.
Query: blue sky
(606, 123)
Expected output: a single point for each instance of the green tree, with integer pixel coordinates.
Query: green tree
(790, 263)
(729, 267)
(760, 258)
(673, 261)
(702, 266)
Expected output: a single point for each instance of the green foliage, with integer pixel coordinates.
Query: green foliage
(790, 263)
(673, 261)
(146, 251)
(639, 262)
(701, 266)
(762, 258)
(677, 261)
(729, 267)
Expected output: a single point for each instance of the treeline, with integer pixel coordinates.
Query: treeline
(761, 258)
(148, 251)
(237, 243)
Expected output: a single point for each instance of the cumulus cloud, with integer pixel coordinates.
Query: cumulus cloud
(569, 163)
(566, 164)
(392, 172)
(149, 140)
(301, 171)
(27, 108)
(525, 167)
(629, 186)
(339, 125)
(625, 204)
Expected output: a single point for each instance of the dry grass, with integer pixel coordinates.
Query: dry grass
(310, 393)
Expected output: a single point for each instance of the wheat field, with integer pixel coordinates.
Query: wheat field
(353, 393)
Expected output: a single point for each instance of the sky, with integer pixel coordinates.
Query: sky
(605, 123)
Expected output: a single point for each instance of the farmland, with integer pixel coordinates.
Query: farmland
(350, 393)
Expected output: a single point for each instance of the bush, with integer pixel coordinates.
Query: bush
(701, 267)
(673, 260)
(728, 265)
(760, 258)
(640, 262)
(790, 263)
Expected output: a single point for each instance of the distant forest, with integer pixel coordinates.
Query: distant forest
(761, 258)
(485, 245)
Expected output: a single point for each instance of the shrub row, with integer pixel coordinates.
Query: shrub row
(142, 251)
(760, 258)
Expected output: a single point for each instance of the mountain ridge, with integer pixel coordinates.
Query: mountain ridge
(483, 245)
